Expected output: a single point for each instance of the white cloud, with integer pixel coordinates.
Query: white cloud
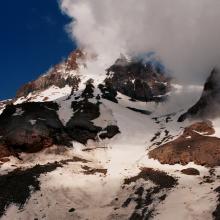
(184, 33)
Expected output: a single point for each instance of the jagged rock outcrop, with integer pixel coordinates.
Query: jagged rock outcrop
(80, 127)
(59, 76)
(137, 80)
(208, 105)
(33, 126)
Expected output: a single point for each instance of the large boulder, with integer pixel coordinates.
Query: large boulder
(30, 127)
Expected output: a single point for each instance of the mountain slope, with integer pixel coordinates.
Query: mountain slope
(94, 163)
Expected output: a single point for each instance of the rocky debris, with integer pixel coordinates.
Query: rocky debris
(147, 199)
(5, 152)
(211, 178)
(144, 112)
(204, 127)
(58, 76)
(109, 132)
(216, 213)
(73, 160)
(31, 127)
(190, 171)
(108, 92)
(207, 179)
(157, 177)
(163, 135)
(72, 210)
(93, 171)
(156, 136)
(137, 80)
(194, 145)
(18, 185)
(80, 127)
(208, 105)
(89, 90)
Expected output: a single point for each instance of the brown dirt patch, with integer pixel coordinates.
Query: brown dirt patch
(191, 147)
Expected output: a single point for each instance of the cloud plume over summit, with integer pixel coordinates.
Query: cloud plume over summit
(185, 34)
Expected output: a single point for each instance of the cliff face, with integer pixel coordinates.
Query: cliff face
(209, 103)
(137, 80)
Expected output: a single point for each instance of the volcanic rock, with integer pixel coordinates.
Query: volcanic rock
(146, 199)
(191, 146)
(30, 127)
(190, 171)
(137, 80)
(109, 132)
(80, 127)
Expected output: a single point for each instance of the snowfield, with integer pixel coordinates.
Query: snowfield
(94, 189)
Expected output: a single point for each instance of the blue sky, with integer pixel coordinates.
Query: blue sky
(32, 39)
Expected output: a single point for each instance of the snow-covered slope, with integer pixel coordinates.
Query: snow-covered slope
(111, 177)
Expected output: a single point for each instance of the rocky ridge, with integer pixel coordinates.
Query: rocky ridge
(208, 105)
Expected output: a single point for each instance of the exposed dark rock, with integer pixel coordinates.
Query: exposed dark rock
(191, 146)
(72, 210)
(159, 178)
(208, 105)
(80, 127)
(144, 112)
(93, 171)
(88, 91)
(156, 136)
(147, 199)
(138, 81)
(4, 151)
(33, 126)
(17, 186)
(30, 127)
(190, 171)
(109, 132)
(216, 213)
(108, 92)
(74, 159)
